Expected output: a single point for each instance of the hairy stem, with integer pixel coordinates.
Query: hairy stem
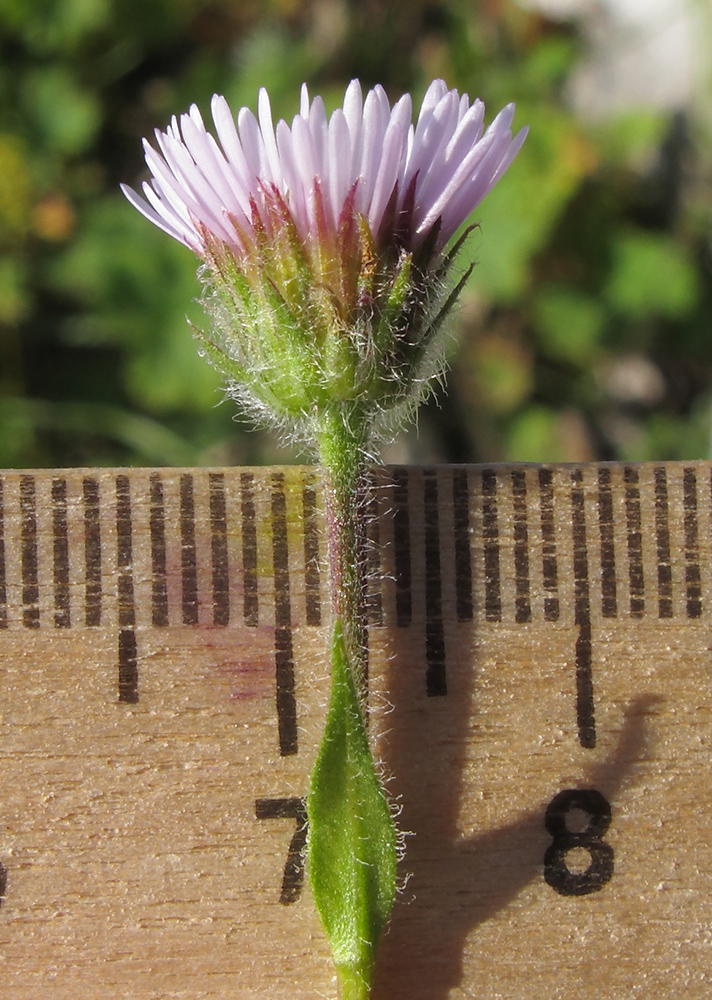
(342, 440)
(351, 847)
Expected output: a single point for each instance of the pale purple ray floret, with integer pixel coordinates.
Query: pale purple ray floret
(437, 170)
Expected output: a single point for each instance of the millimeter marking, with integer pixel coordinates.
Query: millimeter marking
(30, 580)
(523, 612)
(250, 608)
(124, 555)
(372, 542)
(128, 652)
(60, 555)
(435, 674)
(92, 552)
(582, 616)
(490, 532)
(662, 534)
(218, 549)
(157, 529)
(634, 541)
(189, 556)
(609, 597)
(693, 589)
(463, 554)
(312, 572)
(284, 654)
(549, 566)
(401, 548)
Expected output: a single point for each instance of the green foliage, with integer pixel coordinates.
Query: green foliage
(569, 324)
(653, 275)
(63, 115)
(518, 216)
(595, 245)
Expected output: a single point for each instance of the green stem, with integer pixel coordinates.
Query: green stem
(342, 438)
(351, 850)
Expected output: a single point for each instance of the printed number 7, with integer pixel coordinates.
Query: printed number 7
(293, 808)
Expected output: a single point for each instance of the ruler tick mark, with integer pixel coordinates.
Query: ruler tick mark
(401, 548)
(128, 658)
(3, 580)
(30, 569)
(60, 538)
(128, 667)
(582, 617)
(490, 532)
(157, 530)
(693, 585)
(124, 559)
(189, 556)
(435, 677)
(249, 550)
(374, 600)
(312, 574)
(636, 578)
(609, 599)
(548, 548)
(523, 610)
(218, 549)
(662, 535)
(463, 557)
(284, 654)
(92, 553)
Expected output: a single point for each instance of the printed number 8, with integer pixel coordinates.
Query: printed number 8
(556, 871)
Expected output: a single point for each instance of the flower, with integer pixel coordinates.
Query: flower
(323, 242)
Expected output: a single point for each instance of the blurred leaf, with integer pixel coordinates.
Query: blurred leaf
(499, 369)
(13, 291)
(543, 434)
(14, 188)
(66, 114)
(569, 324)
(533, 437)
(16, 434)
(517, 217)
(137, 286)
(51, 26)
(269, 58)
(665, 437)
(548, 63)
(75, 18)
(652, 275)
(633, 138)
(152, 442)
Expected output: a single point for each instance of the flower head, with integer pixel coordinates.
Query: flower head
(323, 242)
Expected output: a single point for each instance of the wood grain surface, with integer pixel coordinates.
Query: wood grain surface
(541, 693)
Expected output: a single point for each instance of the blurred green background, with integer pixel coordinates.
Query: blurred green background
(585, 331)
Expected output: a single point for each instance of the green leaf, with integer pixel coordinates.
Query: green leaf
(351, 850)
(653, 275)
(66, 114)
(518, 216)
(569, 324)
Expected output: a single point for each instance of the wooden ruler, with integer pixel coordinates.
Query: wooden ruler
(541, 683)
